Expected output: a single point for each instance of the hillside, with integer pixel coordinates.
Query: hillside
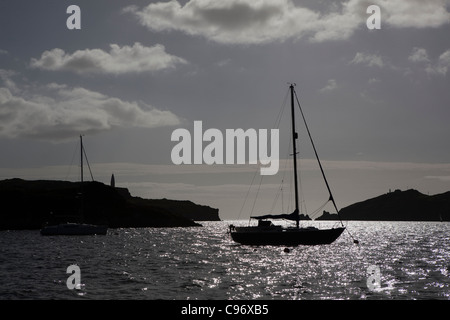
(30, 204)
(409, 205)
(187, 209)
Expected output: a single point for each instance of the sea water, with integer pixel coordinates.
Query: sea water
(413, 260)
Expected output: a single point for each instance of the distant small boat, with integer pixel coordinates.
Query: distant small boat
(72, 228)
(69, 229)
(266, 233)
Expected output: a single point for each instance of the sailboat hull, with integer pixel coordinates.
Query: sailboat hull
(285, 237)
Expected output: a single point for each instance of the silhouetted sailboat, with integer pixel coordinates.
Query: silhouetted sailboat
(72, 228)
(266, 233)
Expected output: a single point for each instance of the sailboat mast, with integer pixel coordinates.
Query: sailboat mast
(81, 153)
(294, 147)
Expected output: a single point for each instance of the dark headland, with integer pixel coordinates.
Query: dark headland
(409, 205)
(29, 204)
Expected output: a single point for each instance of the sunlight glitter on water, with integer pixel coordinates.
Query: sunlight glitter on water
(204, 263)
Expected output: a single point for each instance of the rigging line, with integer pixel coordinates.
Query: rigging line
(276, 125)
(313, 215)
(277, 122)
(288, 168)
(280, 188)
(304, 209)
(87, 161)
(279, 192)
(291, 196)
(317, 157)
(71, 163)
(246, 196)
(256, 196)
(281, 112)
(321, 169)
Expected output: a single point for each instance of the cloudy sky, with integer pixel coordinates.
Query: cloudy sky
(377, 101)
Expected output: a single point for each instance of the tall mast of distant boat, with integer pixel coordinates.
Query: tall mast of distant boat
(77, 228)
(81, 156)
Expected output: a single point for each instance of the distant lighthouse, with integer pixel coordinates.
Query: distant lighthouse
(113, 181)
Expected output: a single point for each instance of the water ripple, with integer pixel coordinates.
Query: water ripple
(204, 263)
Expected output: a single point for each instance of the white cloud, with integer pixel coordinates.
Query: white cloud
(118, 60)
(224, 63)
(331, 85)
(414, 13)
(58, 112)
(237, 21)
(442, 65)
(371, 60)
(264, 21)
(6, 76)
(439, 67)
(419, 55)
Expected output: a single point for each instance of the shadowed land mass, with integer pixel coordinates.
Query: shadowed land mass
(30, 204)
(409, 205)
